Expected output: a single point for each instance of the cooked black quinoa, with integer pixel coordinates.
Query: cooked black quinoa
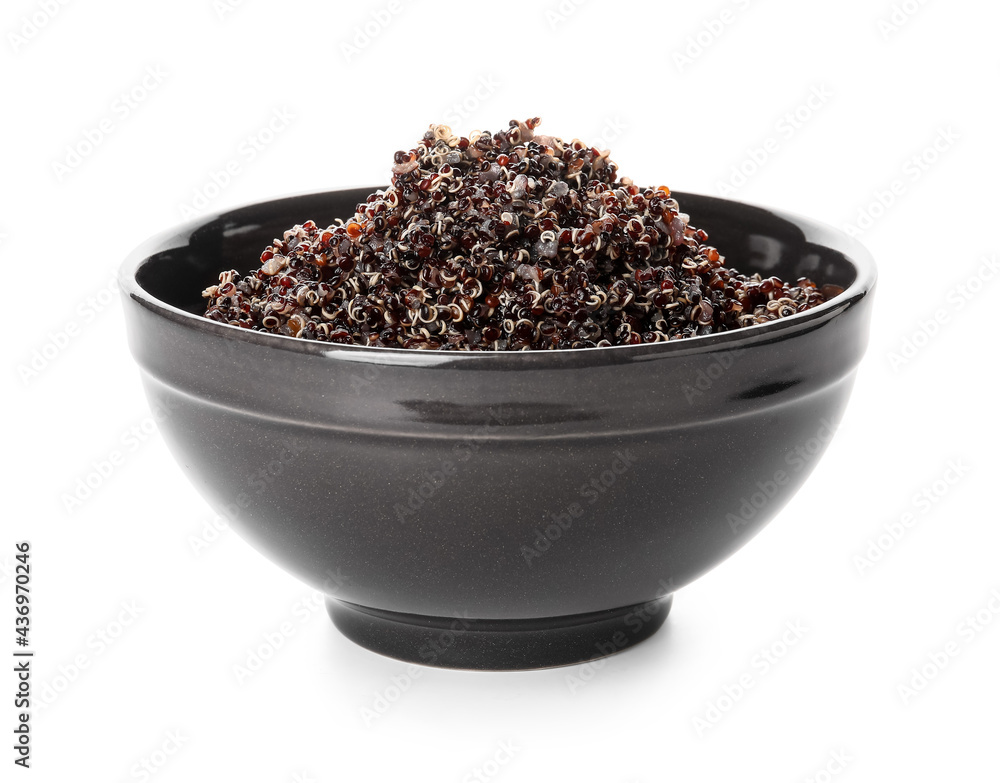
(506, 241)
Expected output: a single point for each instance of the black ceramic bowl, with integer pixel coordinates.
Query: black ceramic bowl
(496, 510)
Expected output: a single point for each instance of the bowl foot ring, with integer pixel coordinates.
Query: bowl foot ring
(498, 645)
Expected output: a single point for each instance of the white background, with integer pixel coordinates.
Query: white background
(683, 96)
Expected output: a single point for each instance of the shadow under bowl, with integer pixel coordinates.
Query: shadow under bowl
(496, 510)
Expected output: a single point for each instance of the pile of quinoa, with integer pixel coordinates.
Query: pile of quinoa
(503, 241)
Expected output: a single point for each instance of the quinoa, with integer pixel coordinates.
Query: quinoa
(503, 241)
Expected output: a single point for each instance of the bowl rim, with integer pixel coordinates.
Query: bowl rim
(814, 232)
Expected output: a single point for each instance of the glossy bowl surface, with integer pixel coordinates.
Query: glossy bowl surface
(496, 509)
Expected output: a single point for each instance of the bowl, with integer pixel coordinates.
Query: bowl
(496, 510)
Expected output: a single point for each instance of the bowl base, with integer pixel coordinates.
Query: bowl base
(499, 645)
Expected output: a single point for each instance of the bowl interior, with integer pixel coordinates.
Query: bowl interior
(752, 239)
